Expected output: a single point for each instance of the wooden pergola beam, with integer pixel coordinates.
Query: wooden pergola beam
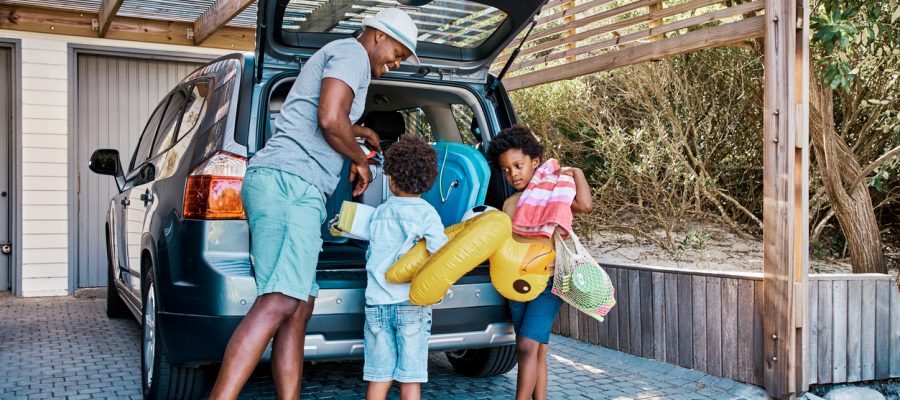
(53, 21)
(587, 34)
(786, 197)
(745, 29)
(108, 10)
(326, 16)
(216, 16)
(629, 39)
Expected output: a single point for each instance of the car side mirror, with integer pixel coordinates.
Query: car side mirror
(106, 162)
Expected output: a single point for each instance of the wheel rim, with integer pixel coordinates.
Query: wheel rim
(149, 333)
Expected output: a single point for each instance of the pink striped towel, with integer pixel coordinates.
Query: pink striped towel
(546, 203)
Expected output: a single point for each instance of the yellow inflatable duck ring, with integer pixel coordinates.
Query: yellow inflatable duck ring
(519, 271)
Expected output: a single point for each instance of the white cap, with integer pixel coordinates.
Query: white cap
(397, 24)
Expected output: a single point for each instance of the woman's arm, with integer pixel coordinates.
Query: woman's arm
(582, 202)
(370, 136)
(335, 100)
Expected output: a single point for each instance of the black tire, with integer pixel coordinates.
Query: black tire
(483, 362)
(166, 381)
(115, 306)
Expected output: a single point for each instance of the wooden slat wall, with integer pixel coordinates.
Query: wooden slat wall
(566, 35)
(712, 322)
(854, 328)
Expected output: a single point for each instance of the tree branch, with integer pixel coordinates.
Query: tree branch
(740, 207)
(817, 231)
(875, 164)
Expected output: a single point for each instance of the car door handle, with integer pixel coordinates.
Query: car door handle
(147, 197)
(125, 202)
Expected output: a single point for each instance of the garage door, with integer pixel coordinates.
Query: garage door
(114, 97)
(5, 167)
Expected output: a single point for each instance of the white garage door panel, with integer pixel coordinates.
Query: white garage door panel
(114, 98)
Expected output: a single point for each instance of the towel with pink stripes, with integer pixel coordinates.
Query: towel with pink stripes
(546, 203)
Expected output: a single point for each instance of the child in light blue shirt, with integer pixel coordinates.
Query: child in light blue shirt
(396, 332)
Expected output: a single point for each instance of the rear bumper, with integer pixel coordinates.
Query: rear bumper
(199, 339)
(499, 334)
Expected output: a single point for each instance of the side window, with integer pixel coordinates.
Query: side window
(417, 124)
(468, 126)
(166, 135)
(195, 108)
(142, 152)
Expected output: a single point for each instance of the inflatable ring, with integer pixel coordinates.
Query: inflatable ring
(406, 267)
(518, 270)
(473, 243)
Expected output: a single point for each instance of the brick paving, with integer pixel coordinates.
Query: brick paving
(66, 348)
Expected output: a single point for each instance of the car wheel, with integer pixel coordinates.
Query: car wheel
(483, 362)
(159, 378)
(115, 306)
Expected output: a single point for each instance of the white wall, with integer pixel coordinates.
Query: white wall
(45, 170)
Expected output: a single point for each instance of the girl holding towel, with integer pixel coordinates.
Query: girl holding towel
(546, 196)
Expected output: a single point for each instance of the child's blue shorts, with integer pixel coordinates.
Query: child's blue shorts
(396, 343)
(533, 319)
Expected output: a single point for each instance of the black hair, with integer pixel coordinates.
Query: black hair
(411, 164)
(516, 137)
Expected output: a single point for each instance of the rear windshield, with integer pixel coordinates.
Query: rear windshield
(455, 23)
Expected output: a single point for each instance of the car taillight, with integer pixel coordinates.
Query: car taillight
(214, 188)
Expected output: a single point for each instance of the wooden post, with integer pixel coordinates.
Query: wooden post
(785, 196)
(801, 154)
(568, 20)
(653, 8)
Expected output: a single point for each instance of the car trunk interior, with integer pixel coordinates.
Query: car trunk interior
(447, 116)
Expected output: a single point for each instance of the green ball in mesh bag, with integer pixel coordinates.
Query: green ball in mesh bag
(587, 286)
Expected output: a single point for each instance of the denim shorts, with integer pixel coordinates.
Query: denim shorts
(285, 214)
(533, 319)
(396, 343)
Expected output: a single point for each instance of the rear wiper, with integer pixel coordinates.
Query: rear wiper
(512, 57)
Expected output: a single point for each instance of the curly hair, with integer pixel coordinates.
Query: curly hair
(516, 137)
(412, 164)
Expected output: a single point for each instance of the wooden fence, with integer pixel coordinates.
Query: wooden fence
(854, 323)
(712, 322)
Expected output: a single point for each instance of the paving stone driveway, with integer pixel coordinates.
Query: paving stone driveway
(66, 348)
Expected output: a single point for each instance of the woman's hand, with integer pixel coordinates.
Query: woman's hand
(372, 139)
(360, 177)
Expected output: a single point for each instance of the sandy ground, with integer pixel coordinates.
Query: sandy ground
(712, 248)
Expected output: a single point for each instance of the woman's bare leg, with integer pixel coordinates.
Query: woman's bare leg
(287, 351)
(249, 340)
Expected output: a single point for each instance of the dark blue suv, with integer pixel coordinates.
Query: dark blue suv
(176, 234)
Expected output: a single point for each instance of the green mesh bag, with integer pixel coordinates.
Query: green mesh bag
(579, 280)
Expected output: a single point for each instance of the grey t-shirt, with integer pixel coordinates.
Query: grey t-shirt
(297, 145)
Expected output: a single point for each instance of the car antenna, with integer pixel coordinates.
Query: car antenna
(512, 57)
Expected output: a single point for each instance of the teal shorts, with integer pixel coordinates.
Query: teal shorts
(285, 215)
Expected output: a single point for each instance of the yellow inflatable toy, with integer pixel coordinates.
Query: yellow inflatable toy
(406, 267)
(518, 270)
